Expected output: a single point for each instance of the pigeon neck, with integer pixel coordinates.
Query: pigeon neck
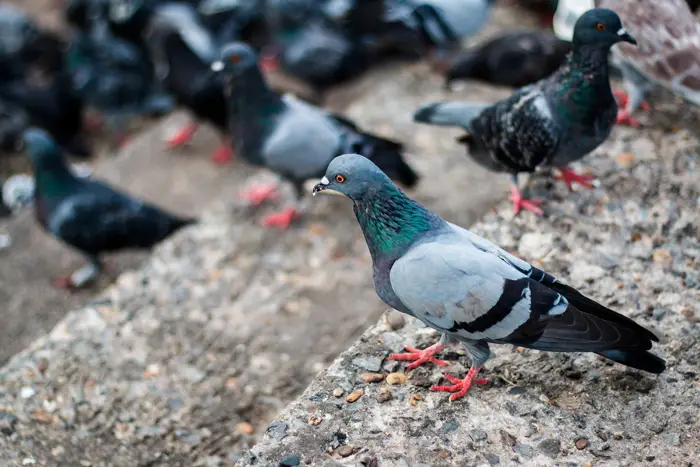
(52, 178)
(591, 61)
(391, 222)
(250, 90)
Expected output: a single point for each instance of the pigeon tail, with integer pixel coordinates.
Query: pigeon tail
(639, 359)
(460, 114)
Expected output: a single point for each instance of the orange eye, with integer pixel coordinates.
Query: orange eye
(340, 178)
(600, 27)
(235, 58)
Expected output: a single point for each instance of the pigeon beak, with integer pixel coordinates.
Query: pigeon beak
(323, 188)
(626, 37)
(217, 66)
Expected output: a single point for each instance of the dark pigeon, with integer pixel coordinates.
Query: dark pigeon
(551, 123)
(470, 290)
(13, 121)
(513, 59)
(290, 137)
(89, 215)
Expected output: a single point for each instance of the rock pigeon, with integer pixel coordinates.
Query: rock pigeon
(470, 290)
(551, 123)
(290, 137)
(89, 215)
(182, 51)
(668, 54)
(513, 59)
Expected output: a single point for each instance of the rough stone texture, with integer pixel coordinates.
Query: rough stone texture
(633, 244)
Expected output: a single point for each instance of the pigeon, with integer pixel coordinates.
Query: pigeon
(566, 15)
(513, 59)
(470, 290)
(13, 121)
(17, 192)
(89, 215)
(53, 106)
(668, 54)
(182, 51)
(548, 124)
(290, 137)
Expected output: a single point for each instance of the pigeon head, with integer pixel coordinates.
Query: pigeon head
(41, 148)
(235, 59)
(600, 27)
(352, 175)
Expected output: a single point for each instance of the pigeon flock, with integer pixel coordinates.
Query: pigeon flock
(129, 58)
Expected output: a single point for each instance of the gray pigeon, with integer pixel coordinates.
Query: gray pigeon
(290, 137)
(469, 289)
(551, 123)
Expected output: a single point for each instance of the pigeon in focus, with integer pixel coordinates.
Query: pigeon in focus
(551, 123)
(182, 51)
(668, 54)
(513, 59)
(470, 290)
(89, 215)
(290, 137)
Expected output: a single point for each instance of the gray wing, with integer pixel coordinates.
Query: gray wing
(303, 142)
(470, 293)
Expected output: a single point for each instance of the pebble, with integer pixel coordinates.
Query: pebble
(395, 320)
(151, 431)
(673, 439)
(416, 399)
(245, 428)
(26, 392)
(395, 378)
(662, 256)
(42, 365)
(450, 425)
(346, 450)
(421, 379)
(524, 450)
(290, 461)
(659, 313)
(338, 392)
(384, 395)
(355, 395)
(315, 420)
(278, 430)
(368, 363)
(492, 459)
(478, 435)
(581, 444)
(372, 377)
(7, 423)
(550, 447)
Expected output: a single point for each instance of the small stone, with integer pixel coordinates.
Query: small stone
(625, 159)
(245, 428)
(662, 256)
(581, 444)
(444, 454)
(346, 450)
(573, 374)
(384, 395)
(315, 420)
(290, 461)
(278, 430)
(42, 416)
(395, 320)
(369, 461)
(26, 392)
(57, 451)
(478, 435)
(659, 313)
(421, 378)
(508, 439)
(42, 365)
(673, 439)
(586, 271)
(28, 461)
(492, 459)
(151, 370)
(151, 431)
(372, 377)
(550, 447)
(338, 392)
(7, 423)
(416, 399)
(353, 396)
(524, 450)
(368, 363)
(450, 425)
(395, 378)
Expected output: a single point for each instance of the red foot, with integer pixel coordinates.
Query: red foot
(183, 136)
(269, 62)
(65, 283)
(461, 386)
(280, 219)
(419, 357)
(570, 177)
(222, 155)
(258, 194)
(622, 98)
(521, 203)
(623, 118)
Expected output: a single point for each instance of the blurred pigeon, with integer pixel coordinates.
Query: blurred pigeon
(470, 290)
(17, 192)
(668, 54)
(182, 51)
(568, 12)
(89, 215)
(13, 121)
(53, 106)
(235, 20)
(545, 9)
(513, 59)
(290, 137)
(551, 123)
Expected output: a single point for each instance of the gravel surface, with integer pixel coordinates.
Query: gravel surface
(634, 244)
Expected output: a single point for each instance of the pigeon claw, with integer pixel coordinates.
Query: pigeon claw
(622, 98)
(460, 387)
(183, 136)
(258, 194)
(222, 155)
(570, 177)
(282, 219)
(419, 357)
(65, 283)
(624, 118)
(520, 203)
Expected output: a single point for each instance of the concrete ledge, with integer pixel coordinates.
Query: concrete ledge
(633, 244)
